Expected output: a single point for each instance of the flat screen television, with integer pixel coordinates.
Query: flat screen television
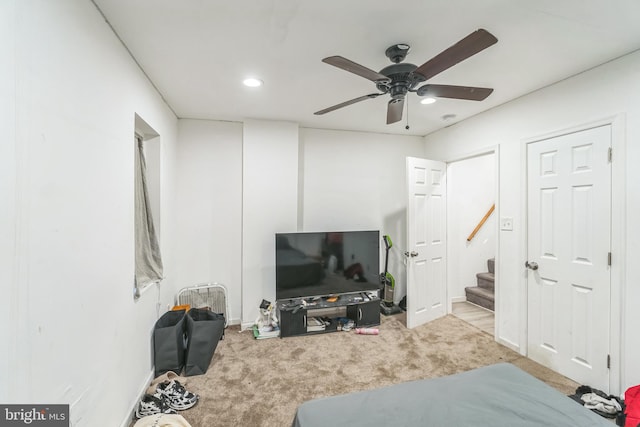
(317, 264)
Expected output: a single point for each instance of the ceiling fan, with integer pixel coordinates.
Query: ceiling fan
(400, 78)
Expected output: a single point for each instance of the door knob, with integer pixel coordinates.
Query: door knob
(531, 265)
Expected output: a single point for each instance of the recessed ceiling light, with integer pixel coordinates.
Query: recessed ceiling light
(428, 100)
(252, 82)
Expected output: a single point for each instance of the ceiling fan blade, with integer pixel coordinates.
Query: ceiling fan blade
(456, 92)
(394, 110)
(352, 67)
(465, 48)
(344, 104)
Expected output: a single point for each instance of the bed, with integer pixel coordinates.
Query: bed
(500, 395)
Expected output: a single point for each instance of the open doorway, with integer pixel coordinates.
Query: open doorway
(472, 239)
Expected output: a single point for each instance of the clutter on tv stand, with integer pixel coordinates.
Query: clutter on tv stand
(331, 313)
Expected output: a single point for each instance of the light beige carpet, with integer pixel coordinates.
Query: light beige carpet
(253, 383)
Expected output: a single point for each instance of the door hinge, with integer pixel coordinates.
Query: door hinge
(608, 361)
(610, 155)
(609, 259)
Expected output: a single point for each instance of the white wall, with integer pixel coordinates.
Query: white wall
(76, 335)
(209, 202)
(471, 188)
(279, 181)
(269, 205)
(606, 91)
(356, 181)
(7, 188)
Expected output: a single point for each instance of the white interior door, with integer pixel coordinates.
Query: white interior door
(569, 223)
(426, 240)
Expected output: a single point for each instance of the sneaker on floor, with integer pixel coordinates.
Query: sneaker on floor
(151, 405)
(176, 396)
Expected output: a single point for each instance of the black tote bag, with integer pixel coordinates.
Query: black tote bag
(204, 329)
(168, 342)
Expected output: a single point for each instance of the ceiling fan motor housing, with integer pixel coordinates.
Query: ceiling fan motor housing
(402, 79)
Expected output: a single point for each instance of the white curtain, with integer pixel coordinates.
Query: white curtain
(148, 258)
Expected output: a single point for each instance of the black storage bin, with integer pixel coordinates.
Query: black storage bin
(204, 329)
(168, 342)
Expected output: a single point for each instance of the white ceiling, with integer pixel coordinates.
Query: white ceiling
(197, 53)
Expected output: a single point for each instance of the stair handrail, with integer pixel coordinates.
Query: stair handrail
(481, 223)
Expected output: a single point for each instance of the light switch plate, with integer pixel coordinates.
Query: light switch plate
(506, 223)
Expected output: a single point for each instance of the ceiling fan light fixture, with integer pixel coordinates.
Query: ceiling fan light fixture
(427, 101)
(252, 82)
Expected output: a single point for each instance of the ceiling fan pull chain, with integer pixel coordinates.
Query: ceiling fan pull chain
(407, 126)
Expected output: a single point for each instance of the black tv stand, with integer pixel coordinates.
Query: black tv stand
(295, 314)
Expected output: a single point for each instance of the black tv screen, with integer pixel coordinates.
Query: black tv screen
(316, 264)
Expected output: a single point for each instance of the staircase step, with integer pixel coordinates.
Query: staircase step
(480, 296)
(491, 263)
(486, 280)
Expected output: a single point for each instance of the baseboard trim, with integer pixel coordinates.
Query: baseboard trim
(234, 322)
(509, 344)
(245, 326)
(132, 409)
